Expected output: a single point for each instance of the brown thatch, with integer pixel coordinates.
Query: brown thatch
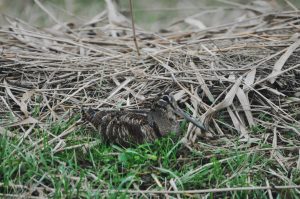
(72, 66)
(233, 77)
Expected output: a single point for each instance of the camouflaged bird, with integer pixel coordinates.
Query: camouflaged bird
(126, 127)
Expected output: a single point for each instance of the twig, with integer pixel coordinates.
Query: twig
(133, 28)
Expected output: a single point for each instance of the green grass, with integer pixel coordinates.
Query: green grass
(81, 172)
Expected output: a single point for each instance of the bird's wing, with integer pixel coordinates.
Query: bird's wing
(128, 128)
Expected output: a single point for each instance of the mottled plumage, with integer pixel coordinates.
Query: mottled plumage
(126, 127)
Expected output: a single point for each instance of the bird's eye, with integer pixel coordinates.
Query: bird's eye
(166, 98)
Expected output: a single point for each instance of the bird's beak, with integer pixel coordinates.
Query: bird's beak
(181, 113)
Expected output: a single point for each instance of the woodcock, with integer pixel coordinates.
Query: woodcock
(127, 127)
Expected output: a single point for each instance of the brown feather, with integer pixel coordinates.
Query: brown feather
(126, 128)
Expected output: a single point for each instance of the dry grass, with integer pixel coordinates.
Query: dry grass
(242, 79)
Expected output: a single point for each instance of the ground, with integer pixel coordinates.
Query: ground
(241, 78)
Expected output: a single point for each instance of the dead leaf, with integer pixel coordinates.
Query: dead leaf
(228, 98)
(238, 124)
(244, 100)
(272, 90)
(29, 120)
(195, 22)
(22, 106)
(249, 80)
(179, 95)
(202, 83)
(282, 60)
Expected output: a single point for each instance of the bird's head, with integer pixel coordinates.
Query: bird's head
(168, 104)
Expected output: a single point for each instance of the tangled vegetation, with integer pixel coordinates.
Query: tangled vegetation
(242, 79)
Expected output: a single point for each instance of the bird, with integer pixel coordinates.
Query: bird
(127, 128)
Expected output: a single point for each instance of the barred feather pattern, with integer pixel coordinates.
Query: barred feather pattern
(126, 128)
